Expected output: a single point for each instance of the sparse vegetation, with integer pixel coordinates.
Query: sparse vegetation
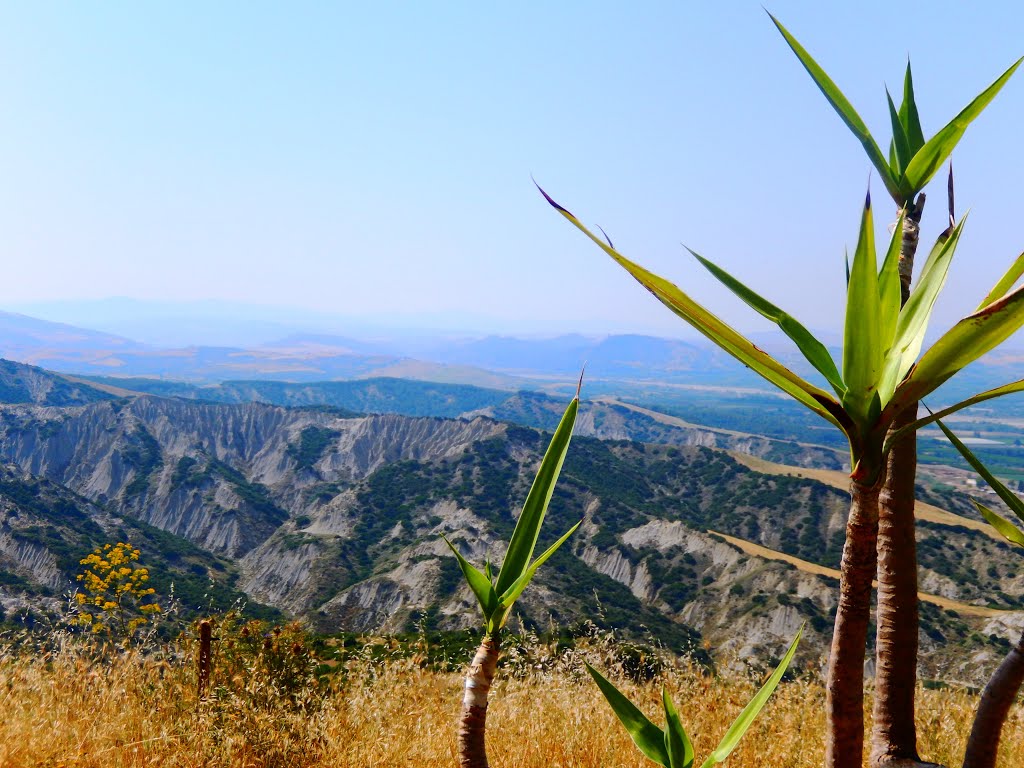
(381, 707)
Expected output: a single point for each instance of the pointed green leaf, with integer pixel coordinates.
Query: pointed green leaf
(1006, 282)
(648, 737)
(477, 581)
(753, 709)
(900, 142)
(1009, 498)
(935, 253)
(524, 537)
(1005, 389)
(677, 743)
(961, 345)
(862, 342)
(720, 333)
(845, 111)
(912, 323)
(509, 597)
(889, 296)
(815, 352)
(933, 154)
(1005, 528)
(908, 114)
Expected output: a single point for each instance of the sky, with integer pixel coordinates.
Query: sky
(374, 160)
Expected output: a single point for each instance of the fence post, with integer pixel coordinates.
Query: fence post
(205, 636)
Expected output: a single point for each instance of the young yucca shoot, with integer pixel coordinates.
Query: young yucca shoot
(1001, 690)
(497, 595)
(671, 747)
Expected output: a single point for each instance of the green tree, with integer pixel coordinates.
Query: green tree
(911, 163)
(882, 377)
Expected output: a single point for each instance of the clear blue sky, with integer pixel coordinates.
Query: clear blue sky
(375, 158)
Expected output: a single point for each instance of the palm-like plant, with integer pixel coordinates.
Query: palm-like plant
(671, 747)
(911, 163)
(881, 375)
(497, 594)
(1001, 690)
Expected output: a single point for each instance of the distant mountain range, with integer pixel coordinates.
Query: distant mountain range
(613, 363)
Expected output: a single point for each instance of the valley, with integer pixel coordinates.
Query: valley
(320, 509)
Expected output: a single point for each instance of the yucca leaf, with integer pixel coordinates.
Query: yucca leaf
(524, 537)
(1004, 527)
(933, 154)
(934, 254)
(677, 743)
(513, 592)
(1005, 389)
(720, 333)
(908, 114)
(815, 352)
(1009, 498)
(889, 287)
(751, 711)
(862, 342)
(845, 111)
(648, 737)
(964, 343)
(1006, 282)
(900, 142)
(478, 582)
(912, 322)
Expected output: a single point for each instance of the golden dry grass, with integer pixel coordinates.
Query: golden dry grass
(65, 710)
(840, 480)
(945, 603)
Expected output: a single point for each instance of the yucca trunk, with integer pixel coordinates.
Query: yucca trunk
(999, 695)
(473, 720)
(844, 704)
(894, 729)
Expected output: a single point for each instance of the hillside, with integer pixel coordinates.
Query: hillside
(21, 383)
(336, 517)
(374, 395)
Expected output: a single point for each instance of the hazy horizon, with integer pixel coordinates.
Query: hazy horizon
(190, 323)
(375, 161)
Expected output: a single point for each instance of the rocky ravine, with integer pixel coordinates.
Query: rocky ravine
(337, 518)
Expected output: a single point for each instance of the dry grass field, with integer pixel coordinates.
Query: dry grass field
(65, 708)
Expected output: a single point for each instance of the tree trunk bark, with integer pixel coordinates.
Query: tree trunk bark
(908, 246)
(844, 700)
(996, 700)
(894, 731)
(473, 720)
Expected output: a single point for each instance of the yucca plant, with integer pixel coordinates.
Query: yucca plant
(911, 163)
(1001, 690)
(881, 375)
(497, 593)
(671, 747)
